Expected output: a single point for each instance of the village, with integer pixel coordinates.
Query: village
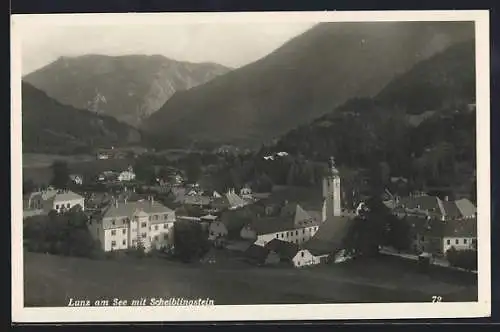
(287, 226)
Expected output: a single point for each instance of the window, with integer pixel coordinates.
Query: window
(456, 241)
(149, 218)
(113, 232)
(297, 241)
(124, 231)
(144, 224)
(165, 216)
(448, 241)
(155, 217)
(57, 206)
(296, 232)
(68, 205)
(277, 235)
(423, 238)
(156, 238)
(302, 254)
(303, 231)
(144, 235)
(465, 241)
(124, 242)
(113, 222)
(156, 227)
(282, 235)
(113, 243)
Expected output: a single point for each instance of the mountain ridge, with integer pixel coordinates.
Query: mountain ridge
(127, 87)
(303, 79)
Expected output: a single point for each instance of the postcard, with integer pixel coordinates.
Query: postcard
(250, 166)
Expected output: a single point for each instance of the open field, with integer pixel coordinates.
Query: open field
(53, 280)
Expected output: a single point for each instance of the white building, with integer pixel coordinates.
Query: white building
(292, 253)
(76, 179)
(126, 224)
(52, 199)
(127, 175)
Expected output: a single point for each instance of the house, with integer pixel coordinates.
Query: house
(124, 225)
(127, 175)
(217, 230)
(291, 253)
(437, 236)
(297, 227)
(52, 199)
(235, 201)
(246, 193)
(327, 241)
(76, 179)
(434, 207)
(261, 256)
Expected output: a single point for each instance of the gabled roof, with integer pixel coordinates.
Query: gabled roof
(448, 228)
(128, 209)
(234, 200)
(286, 250)
(269, 225)
(435, 207)
(466, 207)
(329, 237)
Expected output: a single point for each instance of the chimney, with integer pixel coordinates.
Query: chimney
(125, 200)
(116, 203)
(446, 198)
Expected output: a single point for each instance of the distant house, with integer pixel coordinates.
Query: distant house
(437, 237)
(261, 256)
(76, 179)
(292, 253)
(127, 175)
(58, 200)
(234, 200)
(246, 193)
(216, 230)
(434, 207)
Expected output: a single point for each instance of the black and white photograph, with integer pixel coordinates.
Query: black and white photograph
(250, 166)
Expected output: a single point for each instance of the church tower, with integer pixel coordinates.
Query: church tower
(331, 192)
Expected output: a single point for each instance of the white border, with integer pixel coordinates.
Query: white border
(482, 308)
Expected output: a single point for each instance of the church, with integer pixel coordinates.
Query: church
(295, 224)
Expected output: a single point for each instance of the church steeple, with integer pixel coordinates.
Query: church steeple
(331, 192)
(332, 169)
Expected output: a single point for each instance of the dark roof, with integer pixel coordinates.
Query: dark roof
(272, 224)
(329, 236)
(286, 250)
(448, 228)
(257, 253)
(310, 198)
(436, 207)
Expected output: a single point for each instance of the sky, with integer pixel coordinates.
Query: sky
(232, 44)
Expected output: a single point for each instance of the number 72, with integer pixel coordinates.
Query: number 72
(436, 299)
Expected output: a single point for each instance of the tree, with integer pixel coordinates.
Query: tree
(190, 242)
(398, 233)
(28, 186)
(60, 173)
(193, 168)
